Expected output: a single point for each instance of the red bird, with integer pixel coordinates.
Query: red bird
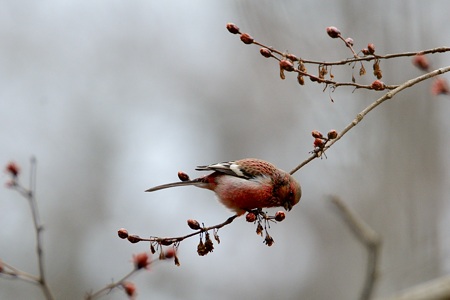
(246, 184)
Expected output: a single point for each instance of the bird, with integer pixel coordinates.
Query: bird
(246, 184)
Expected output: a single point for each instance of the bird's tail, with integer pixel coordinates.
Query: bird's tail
(196, 182)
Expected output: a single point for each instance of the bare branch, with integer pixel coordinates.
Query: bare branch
(369, 238)
(170, 240)
(9, 271)
(29, 194)
(374, 57)
(111, 286)
(359, 117)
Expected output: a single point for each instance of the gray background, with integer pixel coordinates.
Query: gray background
(113, 97)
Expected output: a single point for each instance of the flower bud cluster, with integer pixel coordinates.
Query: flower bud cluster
(320, 141)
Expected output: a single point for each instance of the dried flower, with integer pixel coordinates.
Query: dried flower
(362, 71)
(377, 70)
(300, 79)
(322, 72)
(176, 260)
(268, 240)
(259, 229)
(201, 249)
(209, 245)
(216, 236)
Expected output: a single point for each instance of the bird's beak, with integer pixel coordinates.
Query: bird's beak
(287, 206)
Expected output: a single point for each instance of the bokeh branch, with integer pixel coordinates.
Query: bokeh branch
(13, 170)
(436, 289)
(141, 261)
(369, 238)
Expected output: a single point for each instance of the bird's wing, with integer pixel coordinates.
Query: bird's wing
(249, 168)
(229, 168)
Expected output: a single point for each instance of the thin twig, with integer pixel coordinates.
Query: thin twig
(29, 194)
(170, 240)
(363, 113)
(374, 57)
(38, 230)
(369, 238)
(14, 273)
(111, 286)
(355, 59)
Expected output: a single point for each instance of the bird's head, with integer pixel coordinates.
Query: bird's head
(292, 193)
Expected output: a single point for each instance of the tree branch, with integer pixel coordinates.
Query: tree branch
(363, 113)
(29, 194)
(166, 241)
(369, 238)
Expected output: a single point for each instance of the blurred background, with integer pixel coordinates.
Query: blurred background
(114, 97)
